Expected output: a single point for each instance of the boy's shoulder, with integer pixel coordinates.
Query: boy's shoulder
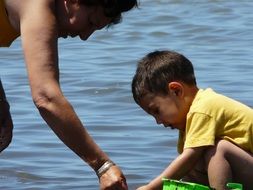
(205, 96)
(208, 101)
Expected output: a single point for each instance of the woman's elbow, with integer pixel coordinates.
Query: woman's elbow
(44, 100)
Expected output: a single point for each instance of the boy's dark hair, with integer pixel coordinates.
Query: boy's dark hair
(112, 8)
(159, 68)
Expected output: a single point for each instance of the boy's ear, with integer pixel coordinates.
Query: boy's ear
(175, 88)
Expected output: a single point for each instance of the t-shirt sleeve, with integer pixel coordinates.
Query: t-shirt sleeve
(200, 130)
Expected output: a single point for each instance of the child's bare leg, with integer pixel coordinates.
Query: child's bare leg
(218, 167)
(6, 124)
(227, 162)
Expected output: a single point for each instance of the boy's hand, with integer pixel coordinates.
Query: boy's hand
(6, 125)
(113, 179)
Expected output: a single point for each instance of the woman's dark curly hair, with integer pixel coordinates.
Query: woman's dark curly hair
(112, 8)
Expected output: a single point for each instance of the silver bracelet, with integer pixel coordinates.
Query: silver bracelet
(104, 168)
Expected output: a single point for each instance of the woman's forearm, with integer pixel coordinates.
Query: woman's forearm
(63, 120)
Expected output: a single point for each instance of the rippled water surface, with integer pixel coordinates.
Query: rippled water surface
(217, 36)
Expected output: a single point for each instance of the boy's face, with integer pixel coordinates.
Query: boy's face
(166, 109)
(82, 20)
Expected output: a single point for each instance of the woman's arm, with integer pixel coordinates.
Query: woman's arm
(39, 39)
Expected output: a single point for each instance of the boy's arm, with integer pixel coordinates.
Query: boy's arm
(177, 169)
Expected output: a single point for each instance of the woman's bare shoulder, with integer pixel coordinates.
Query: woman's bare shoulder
(16, 9)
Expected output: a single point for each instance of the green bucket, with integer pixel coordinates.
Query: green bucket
(170, 184)
(235, 186)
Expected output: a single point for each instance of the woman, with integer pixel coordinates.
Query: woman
(39, 24)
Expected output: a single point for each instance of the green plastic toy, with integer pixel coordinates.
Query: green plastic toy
(234, 186)
(169, 184)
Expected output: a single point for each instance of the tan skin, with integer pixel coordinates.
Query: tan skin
(37, 22)
(209, 165)
(226, 162)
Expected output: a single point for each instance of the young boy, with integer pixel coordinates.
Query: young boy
(40, 23)
(215, 132)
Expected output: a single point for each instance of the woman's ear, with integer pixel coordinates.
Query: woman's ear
(71, 2)
(70, 7)
(175, 88)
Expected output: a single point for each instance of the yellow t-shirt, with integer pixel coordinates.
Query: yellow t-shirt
(7, 32)
(213, 116)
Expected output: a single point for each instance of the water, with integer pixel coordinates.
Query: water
(96, 75)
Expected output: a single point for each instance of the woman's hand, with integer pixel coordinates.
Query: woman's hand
(113, 179)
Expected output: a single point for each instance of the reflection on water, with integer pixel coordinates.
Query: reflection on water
(96, 77)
